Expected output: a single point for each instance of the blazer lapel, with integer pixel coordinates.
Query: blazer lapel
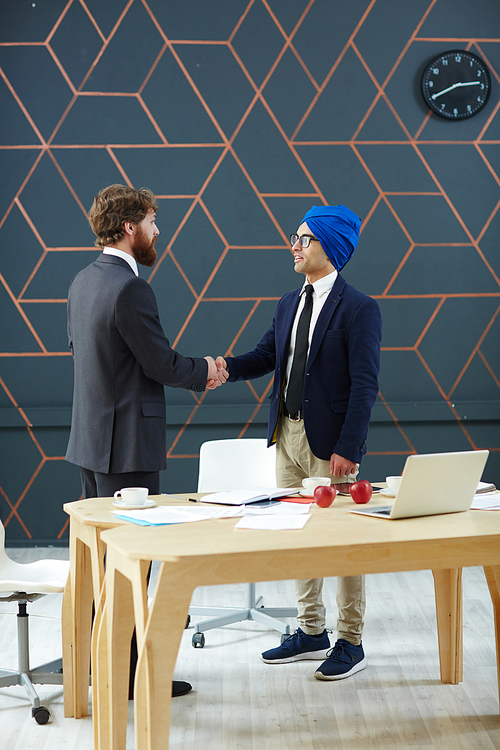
(325, 317)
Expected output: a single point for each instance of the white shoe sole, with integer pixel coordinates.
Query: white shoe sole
(357, 668)
(308, 655)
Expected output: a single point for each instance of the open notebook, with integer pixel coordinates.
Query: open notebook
(243, 497)
(434, 483)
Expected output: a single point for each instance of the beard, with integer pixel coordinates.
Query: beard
(144, 250)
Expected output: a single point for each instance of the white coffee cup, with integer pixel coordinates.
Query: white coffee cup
(310, 483)
(393, 483)
(132, 495)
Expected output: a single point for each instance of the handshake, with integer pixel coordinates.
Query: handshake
(217, 372)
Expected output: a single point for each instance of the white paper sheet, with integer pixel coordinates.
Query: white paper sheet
(278, 509)
(274, 523)
(486, 501)
(168, 514)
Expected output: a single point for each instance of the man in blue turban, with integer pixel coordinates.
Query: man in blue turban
(324, 346)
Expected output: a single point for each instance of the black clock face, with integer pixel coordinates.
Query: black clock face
(456, 85)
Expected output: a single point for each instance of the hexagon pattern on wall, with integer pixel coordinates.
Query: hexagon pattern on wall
(240, 115)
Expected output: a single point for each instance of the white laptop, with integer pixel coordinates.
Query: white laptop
(434, 483)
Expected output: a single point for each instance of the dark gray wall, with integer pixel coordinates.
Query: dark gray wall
(241, 115)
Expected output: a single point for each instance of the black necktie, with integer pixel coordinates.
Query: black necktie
(293, 401)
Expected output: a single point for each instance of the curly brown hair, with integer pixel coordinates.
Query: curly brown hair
(115, 205)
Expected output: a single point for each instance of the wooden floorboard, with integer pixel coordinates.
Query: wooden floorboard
(240, 703)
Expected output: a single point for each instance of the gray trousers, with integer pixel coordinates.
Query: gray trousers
(294, 462)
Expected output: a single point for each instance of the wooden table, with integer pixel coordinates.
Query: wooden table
(88, 519)
(333, 542)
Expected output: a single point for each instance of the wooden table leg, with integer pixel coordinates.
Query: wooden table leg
(448, 594)
(120, 626)
(493, 579)
(86, 578)
(100, 696)
(81, 582)
(157, 657)
(67, 649)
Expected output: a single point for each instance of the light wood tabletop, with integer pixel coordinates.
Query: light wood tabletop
(333, 542)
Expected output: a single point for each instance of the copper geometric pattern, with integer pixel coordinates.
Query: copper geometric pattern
(239, 116)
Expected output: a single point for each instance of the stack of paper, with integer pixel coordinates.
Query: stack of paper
(276, 517)
(488, 501)
(290, 516)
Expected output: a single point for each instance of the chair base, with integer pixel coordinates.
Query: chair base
(46, 674)
(50, 673)
(228, 615)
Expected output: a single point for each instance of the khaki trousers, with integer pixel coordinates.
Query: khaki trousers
(294, 462)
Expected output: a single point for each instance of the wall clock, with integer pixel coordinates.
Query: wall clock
(456, 84)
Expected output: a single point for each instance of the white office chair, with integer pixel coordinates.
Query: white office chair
(27, 582)
(236, 465)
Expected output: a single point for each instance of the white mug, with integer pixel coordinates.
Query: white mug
(132, 495)
(393, 483)
(310, 483)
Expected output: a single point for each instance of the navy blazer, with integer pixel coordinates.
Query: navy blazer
(341, 376)
(122, 359)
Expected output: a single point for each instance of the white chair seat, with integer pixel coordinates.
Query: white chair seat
(40, 577)
(24, 582)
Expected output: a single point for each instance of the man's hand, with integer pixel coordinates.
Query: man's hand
(216, 375)
(221, 363)
(341, 467)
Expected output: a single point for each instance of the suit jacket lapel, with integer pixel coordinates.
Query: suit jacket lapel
(325, 317)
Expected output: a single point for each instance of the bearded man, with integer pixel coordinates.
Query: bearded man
(122, 358)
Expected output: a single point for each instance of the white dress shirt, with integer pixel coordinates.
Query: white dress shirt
(125, 256)
(321, 290)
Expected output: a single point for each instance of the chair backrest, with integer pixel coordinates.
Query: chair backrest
(236, 465)
(3, 553)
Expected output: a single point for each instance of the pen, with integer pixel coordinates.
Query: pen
(192, 500)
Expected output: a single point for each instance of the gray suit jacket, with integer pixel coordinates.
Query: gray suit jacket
(122, 359)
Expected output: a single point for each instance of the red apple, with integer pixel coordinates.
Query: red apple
(324, 496)
(361, 491)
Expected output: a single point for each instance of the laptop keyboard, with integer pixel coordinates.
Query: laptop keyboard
(383, 510)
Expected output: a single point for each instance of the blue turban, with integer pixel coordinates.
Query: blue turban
(337, 228)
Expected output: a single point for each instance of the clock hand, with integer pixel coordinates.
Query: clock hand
(455, 85)
(444, 91)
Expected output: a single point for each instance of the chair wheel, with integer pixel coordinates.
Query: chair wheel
(41, 714)
(198, 640)
(188, 622)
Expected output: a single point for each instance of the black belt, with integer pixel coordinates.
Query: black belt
(296, 417)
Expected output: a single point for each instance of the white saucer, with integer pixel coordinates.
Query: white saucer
(387, 492)
(303, 493)
(125, 506)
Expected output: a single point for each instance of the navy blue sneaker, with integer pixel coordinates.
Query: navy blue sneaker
(343, 660)
(298, 646)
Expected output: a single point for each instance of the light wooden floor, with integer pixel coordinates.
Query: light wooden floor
(240, 703)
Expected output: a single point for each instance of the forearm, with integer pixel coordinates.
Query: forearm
(257, 363)
(138, 323)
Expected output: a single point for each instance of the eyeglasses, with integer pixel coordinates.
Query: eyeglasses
(303, 239)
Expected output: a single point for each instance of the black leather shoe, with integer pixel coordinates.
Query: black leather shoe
(180, 688)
